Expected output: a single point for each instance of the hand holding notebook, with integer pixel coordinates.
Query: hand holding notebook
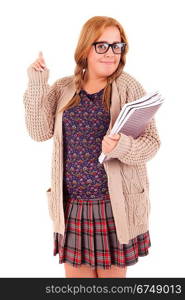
(134, 116)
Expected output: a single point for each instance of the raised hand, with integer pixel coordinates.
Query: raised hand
(39, 64)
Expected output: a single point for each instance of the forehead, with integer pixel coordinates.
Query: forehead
(110, 34)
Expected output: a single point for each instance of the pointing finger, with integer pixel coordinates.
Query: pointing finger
(40, 54)
(41, 58)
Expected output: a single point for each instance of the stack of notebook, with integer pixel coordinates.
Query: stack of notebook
(134, 116)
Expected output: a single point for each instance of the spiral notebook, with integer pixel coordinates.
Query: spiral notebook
(134, 116)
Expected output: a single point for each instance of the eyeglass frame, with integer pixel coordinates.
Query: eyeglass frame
(109, 45)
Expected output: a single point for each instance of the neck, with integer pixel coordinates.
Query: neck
(94, 79)
(93, 84)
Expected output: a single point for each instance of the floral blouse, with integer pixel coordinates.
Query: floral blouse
(84, 127)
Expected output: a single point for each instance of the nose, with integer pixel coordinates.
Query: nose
(110, 52)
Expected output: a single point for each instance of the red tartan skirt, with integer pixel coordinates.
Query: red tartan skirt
(90, 236)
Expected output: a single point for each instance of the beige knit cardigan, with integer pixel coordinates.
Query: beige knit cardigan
(125, 166)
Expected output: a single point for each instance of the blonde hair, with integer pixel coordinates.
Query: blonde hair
(90, 32)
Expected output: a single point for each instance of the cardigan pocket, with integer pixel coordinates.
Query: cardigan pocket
(137, 207)
(50, 203)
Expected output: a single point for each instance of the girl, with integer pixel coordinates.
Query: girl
(105, 206)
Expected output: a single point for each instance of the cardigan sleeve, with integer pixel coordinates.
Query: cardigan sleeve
(40, 102)
(137, 151)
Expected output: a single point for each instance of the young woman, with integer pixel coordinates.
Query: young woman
(99, 211)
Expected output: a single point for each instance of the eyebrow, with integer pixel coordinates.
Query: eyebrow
(108, 42)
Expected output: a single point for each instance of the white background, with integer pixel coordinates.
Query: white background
(156, 58)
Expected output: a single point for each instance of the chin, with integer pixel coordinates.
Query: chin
(108, 72)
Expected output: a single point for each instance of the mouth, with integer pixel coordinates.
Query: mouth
(107, 62)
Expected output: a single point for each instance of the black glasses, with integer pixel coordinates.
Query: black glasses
(103, 47)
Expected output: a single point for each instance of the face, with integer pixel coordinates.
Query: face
(102, 65)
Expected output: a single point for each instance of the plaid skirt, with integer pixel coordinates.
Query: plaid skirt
(90, 236)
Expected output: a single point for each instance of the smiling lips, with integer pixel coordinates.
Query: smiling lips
(107, 62)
